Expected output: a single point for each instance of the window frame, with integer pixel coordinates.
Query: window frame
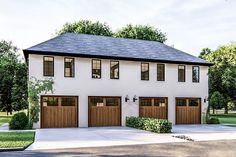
(153, 101)
(162, 73)
(187, 99)
(184, 73)
(44, 66)
(198, 80)
(118, 69)
(73, 68)
(104, 101)
(142, 71)
(100, 68)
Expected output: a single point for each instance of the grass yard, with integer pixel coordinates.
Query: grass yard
(16, 139)
(229, 119)
(4, 119)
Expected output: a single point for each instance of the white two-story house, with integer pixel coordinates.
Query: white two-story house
(99, 81)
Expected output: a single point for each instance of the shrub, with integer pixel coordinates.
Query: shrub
(149, 124)
(213, 120)
(19, 121)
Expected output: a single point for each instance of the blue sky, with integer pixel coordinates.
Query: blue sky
(190, 25)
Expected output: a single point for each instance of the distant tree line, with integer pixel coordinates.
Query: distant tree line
(222, 76)
(144, 32)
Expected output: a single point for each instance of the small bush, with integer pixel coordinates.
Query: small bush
(19, 121)
(213, 120)
(149, 124)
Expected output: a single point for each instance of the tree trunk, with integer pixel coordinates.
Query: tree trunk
(226, 109)
(214, 111)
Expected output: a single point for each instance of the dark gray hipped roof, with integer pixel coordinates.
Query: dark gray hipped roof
(83, 45)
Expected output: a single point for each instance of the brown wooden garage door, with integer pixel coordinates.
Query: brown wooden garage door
(155, 107)
(188, 110)
(104, 111)
(59, 111)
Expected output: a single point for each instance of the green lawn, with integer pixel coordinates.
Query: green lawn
(229, 119)
(4, 119)
(16, 139)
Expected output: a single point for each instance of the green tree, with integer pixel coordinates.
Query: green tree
(7, 67)
(217, 101)
(86, 27)
(204, 52)
(12, 79)
(222, 75)
(144, 32)
(19, 90)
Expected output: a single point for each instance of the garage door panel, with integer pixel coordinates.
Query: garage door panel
(149, 108)
(58, 115)
(104, 111)
(188, 112)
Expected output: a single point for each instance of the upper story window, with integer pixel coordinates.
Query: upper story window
(48, 66)
(195, 74)
(69, 67)
(114, 70)
(160, 72)
(144, 71)
(181, 73)
(96, 68)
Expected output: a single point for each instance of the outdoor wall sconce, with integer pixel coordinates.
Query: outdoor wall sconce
(205, 99)
(135, 98)
(126, 98)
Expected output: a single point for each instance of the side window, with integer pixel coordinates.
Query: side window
(195, 74)
(114, 70)
(181, 73)
(48, 66)
(144, 71)
(69, 67)
(96, 68)
(160, 72)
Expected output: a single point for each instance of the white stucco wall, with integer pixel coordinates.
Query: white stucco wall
(129, 83)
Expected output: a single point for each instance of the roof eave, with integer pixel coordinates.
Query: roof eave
(27, 52)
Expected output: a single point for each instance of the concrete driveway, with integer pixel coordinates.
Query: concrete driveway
(96, 137)
(205, 132)
(116, 136)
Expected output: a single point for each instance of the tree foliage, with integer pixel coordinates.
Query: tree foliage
(144, 32)
(217, 101)
(204, 52)
(19, 89)
(86, 27)
(35, 88)
(13, 79)
(222, 75)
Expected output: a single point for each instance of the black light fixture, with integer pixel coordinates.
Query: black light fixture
(205, 99)
(135, 98)
(126, 98)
